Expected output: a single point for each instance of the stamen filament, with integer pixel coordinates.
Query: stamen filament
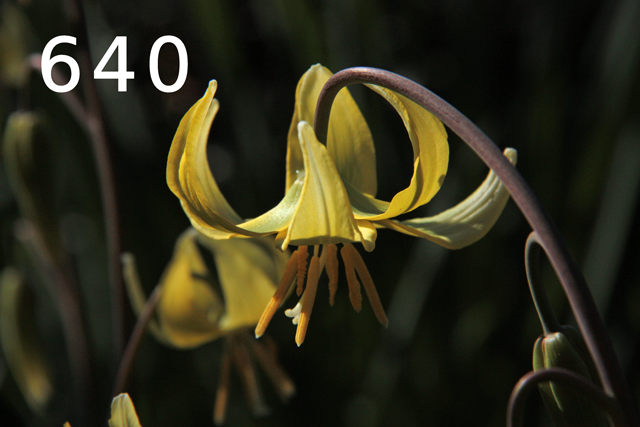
(355, 294)
(222, 392)
(247, 373)
(309, 299)
(369, 287)
(283, 289)
(267, 359)
(332, 271)
(302, 267)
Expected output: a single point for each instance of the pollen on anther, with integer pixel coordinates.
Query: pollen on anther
(367, 284)
(355, 294)
(283, 289)
(308, 300)
(332, 271)
(302, 267)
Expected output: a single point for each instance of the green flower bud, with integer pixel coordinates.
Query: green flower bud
(566, 349)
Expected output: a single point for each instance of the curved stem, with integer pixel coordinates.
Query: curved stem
(133, 345)
(579, 385)
(573, 282)
(93, 124)
(546, 315)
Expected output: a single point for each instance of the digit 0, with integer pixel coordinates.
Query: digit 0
(183, 64)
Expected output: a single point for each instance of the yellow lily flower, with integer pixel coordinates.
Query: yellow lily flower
(201, 302)
(197, 306)
(330, 193)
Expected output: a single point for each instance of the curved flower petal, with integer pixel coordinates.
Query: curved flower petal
(188, 173)
(123, 413)
(349, 140)
(248, 272)
(323, 214)
(190, 179)
(466, 222)
(189, 309)
(430, 161)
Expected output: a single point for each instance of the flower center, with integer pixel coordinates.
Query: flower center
(327, 260)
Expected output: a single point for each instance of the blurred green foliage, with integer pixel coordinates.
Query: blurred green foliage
(558, 81)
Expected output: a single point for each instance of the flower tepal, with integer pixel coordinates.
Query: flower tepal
(330, 194)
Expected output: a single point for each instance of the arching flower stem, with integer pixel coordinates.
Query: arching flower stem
(575, 382)
(571, 278)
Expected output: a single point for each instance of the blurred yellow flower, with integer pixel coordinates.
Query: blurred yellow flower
(123, 413)
(197, 305)
(330, 193)
(200, 302)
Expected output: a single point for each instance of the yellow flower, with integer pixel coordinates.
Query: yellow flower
(196, 305)
(123, 413)
(199, 302)
(330, 193)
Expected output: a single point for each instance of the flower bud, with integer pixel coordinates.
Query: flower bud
(566, 349)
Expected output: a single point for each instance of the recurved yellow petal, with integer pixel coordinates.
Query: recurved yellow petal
(466, 222)
(349, 140)
(123, 413)
(188, 173)
(323, 214)
(430, 162)
(189, 309)
(248, 272)
(189, 178)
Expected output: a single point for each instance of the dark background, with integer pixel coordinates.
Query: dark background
(557, 80)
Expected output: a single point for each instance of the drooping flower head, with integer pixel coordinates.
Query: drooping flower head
(199, 302)
(330, 193)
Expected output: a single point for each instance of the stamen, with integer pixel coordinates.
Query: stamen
(283, 289)
(222, 393)
(332, 271)
(308, 300)
(268, 360)
(302, 267)
(355, 295)
(247, 373)
(367, 283)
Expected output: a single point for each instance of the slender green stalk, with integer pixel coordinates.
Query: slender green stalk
(547, 317)
(573, 282)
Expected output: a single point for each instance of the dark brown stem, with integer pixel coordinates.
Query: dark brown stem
(93, 123)
(575, 382)
(130, 352)
(570, 276)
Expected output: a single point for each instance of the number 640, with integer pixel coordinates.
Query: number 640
(121, 74)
